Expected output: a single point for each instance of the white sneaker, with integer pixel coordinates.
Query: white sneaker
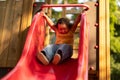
(56, 59)
(42, 58)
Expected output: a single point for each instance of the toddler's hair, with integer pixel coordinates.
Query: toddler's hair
(65, 21)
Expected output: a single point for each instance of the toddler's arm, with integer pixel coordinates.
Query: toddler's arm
(49, 21)
(77, 20)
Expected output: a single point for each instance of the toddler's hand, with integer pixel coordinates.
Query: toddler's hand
(43, 14)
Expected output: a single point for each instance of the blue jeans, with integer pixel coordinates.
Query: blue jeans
(64, 50)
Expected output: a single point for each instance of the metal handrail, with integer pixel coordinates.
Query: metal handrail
(65, 5)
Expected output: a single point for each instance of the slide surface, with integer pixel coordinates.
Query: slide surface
(29, 68)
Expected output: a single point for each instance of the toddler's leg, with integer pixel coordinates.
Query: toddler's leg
(65, 51)
(56, 58)
(46, 55)
(42, 58)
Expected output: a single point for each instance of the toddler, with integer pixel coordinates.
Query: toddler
(63, 47)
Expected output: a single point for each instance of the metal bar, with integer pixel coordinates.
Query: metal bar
(65, 5)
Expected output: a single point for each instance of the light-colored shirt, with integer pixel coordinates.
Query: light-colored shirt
(67, 38)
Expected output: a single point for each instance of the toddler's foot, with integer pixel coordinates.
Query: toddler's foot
(42, 58)
(56, 59)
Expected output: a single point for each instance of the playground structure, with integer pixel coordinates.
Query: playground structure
(103, 44)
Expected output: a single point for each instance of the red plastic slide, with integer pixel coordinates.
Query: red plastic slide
(29, 68)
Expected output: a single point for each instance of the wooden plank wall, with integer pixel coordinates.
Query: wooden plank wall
(104, 40)
(15, 18)
(92, 13)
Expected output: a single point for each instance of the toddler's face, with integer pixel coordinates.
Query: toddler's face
(62, 28)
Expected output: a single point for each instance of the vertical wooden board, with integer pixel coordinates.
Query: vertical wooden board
(6, 32)
(14, 45)
(2, 15)
(91, 19)
(23, 22)
(26, 14)
(107, 40)
(26, 19)
(30, 10)
(104, 41)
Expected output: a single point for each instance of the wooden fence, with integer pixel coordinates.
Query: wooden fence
(15, 18)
